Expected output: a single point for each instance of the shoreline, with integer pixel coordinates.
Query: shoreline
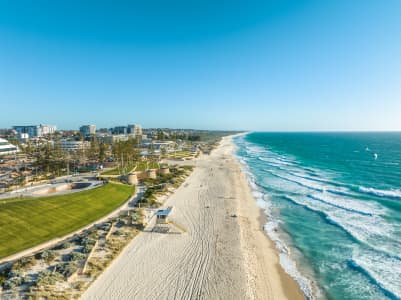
(224, 252)
(267, 256)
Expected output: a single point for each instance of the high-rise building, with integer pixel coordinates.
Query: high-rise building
(131, 129)
(135, 129)
(87, 129)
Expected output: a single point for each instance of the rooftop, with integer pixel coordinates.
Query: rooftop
(164, 212)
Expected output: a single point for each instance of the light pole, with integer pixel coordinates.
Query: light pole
(68, 165)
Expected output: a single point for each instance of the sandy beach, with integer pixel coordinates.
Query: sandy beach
(223, 254)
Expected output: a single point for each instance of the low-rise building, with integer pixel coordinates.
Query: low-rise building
(7, 148)
(48, 129)
(72, 146)
(159, 145)
(110, 139)
(35, 130)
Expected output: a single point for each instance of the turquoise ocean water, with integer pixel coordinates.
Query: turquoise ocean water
(333, 202)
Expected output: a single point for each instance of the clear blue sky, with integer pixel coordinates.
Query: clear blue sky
(256, 65)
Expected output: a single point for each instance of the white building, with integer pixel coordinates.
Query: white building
(87, 129)
(48, 129)
(6, 148)
(71, 146)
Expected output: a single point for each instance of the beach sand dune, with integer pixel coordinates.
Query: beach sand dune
(223, 254)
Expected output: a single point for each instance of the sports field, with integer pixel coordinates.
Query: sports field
(26, 222)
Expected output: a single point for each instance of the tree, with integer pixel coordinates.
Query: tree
(102, 152)
(125, 155)
(160, 135)
(93, 149)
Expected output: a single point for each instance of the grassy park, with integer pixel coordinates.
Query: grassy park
(26, 222)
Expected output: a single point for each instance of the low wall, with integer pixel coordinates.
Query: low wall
(63, 187)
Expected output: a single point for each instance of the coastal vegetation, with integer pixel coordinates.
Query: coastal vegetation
(26, 222)
(160, 186)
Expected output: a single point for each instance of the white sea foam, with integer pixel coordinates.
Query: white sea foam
(349, 204)
(254, 150)
(298, 181)
(275, 162)
(292, 169)
(312, 178)
(371, 230)
(319, 185)
(381, 193)
(270, 227)
(383, 270)
(290, 267)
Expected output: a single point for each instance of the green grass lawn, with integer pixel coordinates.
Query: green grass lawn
(111, 172)
(26, 222)
(143, 166)
(153, 165)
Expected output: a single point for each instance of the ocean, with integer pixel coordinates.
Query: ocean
(333, 202)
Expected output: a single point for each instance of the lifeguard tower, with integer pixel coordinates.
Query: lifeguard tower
(162, 215)
(164, 224)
